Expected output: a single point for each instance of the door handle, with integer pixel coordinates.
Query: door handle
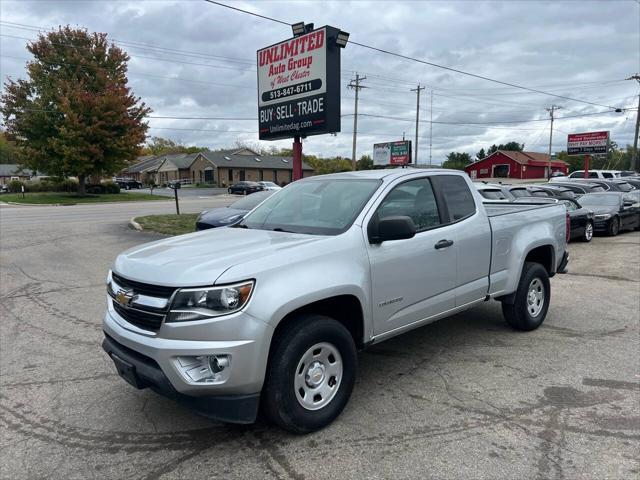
(443, 244)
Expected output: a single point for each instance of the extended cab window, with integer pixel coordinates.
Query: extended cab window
(457, 196)
(414, 199)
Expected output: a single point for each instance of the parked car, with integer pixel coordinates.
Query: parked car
(581, 187)
(494, 192)
(615, 185)
(270, 185)
(245, 188)
(274, 309)
(612, 212)
(582, 220)
(633, 181)
(579, 174)
(128, 183)
(532, 191)
(553, 190)
(225, 216)
(4, 188)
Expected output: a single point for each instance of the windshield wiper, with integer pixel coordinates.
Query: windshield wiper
(278, 229)
(240, 225)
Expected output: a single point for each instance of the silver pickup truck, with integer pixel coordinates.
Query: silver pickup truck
(271, 312)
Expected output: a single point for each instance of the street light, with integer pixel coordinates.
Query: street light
(298, 29)
(342, 39)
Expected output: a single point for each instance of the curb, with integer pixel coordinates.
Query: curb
(135, 225)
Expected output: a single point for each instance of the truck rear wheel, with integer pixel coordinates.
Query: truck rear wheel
(532, 298)
(312, 371)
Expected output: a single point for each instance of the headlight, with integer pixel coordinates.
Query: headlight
(201, 303)
(604, 216)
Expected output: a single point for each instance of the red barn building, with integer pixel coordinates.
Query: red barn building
(521, 165)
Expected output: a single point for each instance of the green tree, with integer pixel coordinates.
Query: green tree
(481, 154)
(75, 114)
(365, 163)
(509, 146)
(9, 151)
(457, 160)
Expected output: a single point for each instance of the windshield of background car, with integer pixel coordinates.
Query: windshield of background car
(251, 201)
(492, 194)
(595, 200)
(520, 192)
(624, 186)
(316, 207)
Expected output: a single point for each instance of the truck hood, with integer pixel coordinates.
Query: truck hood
(198, 259)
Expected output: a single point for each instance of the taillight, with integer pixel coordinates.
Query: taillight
(567, 224)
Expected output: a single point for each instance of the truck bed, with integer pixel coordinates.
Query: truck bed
(495, 209)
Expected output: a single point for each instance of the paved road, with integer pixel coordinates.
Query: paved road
(462, 398)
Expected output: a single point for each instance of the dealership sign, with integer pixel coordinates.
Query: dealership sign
(299, 86)
(392, 153)
(587, 143)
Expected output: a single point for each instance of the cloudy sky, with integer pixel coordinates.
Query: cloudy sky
(196, 59)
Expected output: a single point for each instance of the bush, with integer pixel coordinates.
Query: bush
(94, 188)
(111, 187)
(15, 186)
(68, 185)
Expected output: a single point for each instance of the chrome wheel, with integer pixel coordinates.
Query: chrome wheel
(318, 376)
(588, 232)
(535, 297)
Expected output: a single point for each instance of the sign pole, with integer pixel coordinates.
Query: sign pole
(297, 158)
(175, 193)
(586, 166)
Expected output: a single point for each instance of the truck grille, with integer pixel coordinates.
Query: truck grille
(139, 318)
(144, 288)
(143, 316)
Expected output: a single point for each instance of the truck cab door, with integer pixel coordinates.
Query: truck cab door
(415, 278)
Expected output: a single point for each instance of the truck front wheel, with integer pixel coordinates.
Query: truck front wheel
(531, 301)
(311, 374)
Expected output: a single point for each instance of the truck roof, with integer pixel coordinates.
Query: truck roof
(382, 173)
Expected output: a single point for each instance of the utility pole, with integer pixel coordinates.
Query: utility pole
(355, 84)
(431, 129)
(635, 159)
(551, 112)
(417, 90)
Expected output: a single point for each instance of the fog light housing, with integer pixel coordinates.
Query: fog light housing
(210, 369)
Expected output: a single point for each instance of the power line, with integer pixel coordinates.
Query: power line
(424, 62)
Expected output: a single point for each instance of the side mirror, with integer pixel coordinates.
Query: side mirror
(392, 228)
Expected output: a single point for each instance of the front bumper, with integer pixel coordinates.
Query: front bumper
(143, 372)
(601, 225)
(214, 337)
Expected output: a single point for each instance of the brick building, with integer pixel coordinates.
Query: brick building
(221, 168)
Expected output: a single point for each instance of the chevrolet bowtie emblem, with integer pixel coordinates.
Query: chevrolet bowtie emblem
(125, 297)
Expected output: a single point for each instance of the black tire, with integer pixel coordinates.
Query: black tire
(279, 399)
(587, 236)
(614, 227)
(229, 190)
(518, 314)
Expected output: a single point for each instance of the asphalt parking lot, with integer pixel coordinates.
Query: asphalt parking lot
(465, 397)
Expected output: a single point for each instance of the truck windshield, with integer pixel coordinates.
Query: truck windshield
(317, 207)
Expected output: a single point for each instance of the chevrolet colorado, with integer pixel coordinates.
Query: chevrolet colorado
(272, 311)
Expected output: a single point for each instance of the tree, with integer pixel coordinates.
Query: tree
(457, 160)
(75, 115)
(365, 163)
(510, 147)
(481, 154)
(9, 152)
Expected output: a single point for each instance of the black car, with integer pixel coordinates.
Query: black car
(633, 181)
(582, 220)
(128, 183)
(245, 188)
(225, 216)
(611, 185)
(613, 211)
(580, 187)
(553, 190)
